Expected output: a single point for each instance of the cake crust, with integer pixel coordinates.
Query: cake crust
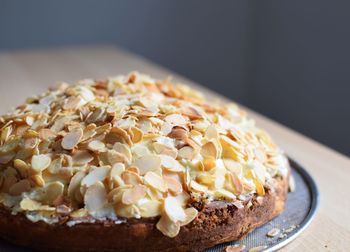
(216, 223)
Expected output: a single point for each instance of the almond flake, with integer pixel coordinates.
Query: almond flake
(51, 192)
(150, 208)
(171, 164)
(191, 214)
(72, 139)
(148, 163)
(137, 135)
(74, 185)
(273, 232)
(134, 194)
(123, 149)
(95, 175)
(174, 186)
(209, 150)
(97, 146)
(235, 248)
(168, 227)
(95, 197)
(131, 178)
(20, 187)
(40, 162)
(173, 210)
(29, 205)
(175, 119)
(156, 181)
(187, 152)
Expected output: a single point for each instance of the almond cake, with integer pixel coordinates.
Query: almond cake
(134, 164)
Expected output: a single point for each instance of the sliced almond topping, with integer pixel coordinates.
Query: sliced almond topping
(150, 208)
(209, 150)
(234, 185)
(131, 178)
(29, 205)
(137, 135)
(116, 157)
(97, 146)
(211, 132)
(171, 164)
(134, 194)
(46, 134)
(174, 185)
(95, 175)
(21, 166)
(74, 185)
(198, 187)
(191, 214)
(20, 187)
(175, 119)
(95, 197)
(235, 248)
(148, 163)
(72, 139)
(187, 152)
(156, 181)
(168, 227)
(165, 149)
(123, 149)
(72, 103)
(38, 180)
(173, 210)
(51, 192)
(40, 162)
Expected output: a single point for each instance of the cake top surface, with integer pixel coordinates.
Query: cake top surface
(130, 147)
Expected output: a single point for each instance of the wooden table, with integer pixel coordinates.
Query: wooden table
(24, 73)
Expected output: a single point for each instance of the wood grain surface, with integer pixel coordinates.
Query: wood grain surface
(25, 73)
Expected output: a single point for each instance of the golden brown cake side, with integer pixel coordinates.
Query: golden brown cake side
(216, 223)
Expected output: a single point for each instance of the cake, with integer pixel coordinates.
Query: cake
(134, 164)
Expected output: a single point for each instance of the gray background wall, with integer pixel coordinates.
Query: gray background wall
(286, 59)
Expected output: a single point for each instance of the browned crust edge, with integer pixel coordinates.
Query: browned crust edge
(216, 223)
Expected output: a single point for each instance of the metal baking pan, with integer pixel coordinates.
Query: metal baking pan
(300, 210)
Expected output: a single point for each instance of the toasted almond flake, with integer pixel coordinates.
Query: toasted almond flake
(168, 227)
(96, 145)
(51, 192)
(20, 187)
(173, 210)
(292, 185)
(74, 185)
(187, 152)
(137, 135)
(171, 164)
(165, 149)
(116, 157)
(222, 193)
(209, 150)
(139, 151)
(148, 163)
(234, 185)
(191, 214)
(118, 135)
(258, 248)
(82, 158)
(173, 185)
(273, 232)
(131, 178)
(211, 132)
(95, 175)
(72, 139)
(156, 181)
(150, 208)
(38, 180)
(134, 194)
(29, 205)
(95, 197)
(72, 103)
(123, 149)
(46, 134)
(21, 166)
(235, 248)
(82, 212)
(40, 162)
(127, 211)
(209, 163)
(175, 119)
(198, 187)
